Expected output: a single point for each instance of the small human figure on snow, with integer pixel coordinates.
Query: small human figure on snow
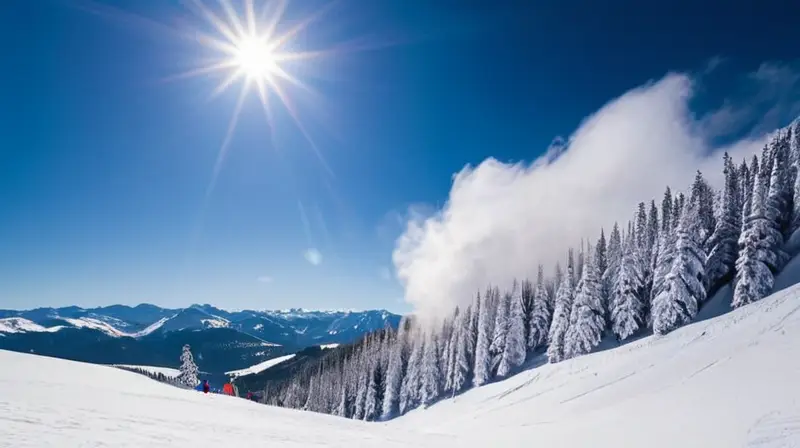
(205, 386)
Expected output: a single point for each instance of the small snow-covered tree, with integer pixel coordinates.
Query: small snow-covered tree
(677, 303)
(189, 371)
(395, 371)
(587, 321)
(498, 345)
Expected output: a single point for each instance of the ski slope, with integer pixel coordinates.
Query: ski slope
(260, 367)
(58, 403)
(728, 381)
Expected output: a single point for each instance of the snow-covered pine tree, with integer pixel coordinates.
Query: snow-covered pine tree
(464, 351)
(483, 360)
(587, 321)
(448, 362)
(394, 375)
(409, 391)
(561, 316)
(515, 344)
(721, 260)
(780, 195)
(703, 196)
(540, 314)
(498, 344)
(601, 254)
(760, 253)
(614, 259)
(189, 371)
(527, 294)
(627, 309)
(431, 380)
(683, 291)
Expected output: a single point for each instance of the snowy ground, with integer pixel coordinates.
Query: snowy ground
(48, 402)
(728, 381)
(260, 367)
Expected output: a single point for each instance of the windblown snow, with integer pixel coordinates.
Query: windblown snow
(260, 367)
(722, 382)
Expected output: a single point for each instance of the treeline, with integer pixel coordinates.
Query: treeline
(158, 376)
(652, 274)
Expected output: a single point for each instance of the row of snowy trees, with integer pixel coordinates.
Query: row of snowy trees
(652, 274)
(188, 376)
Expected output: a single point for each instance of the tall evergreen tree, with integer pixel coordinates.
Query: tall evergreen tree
(561, 316)
(678, 302)
(540, 315)
(721, 260)
(431, 374)
(394, 375)
(760, 252)
(465, 350)
(587, 321)
(626, 305)
(501, 321)
(483, 360)
(514, 350)
(410, 390)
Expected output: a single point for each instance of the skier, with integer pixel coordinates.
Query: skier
(205, 386)
(249, 395)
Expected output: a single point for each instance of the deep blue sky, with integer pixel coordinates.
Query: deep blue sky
(104, 166)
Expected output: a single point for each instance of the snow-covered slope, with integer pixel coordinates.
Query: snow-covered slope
(57, 403)
(730, 381)
(260, 367)
(22, 325)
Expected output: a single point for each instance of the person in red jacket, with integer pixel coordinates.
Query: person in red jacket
(205, 386)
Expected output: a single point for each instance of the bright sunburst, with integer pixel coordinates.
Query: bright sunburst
(248, 50)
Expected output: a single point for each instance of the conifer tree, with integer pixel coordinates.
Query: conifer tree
(683, 291)
(540, 315)
(587, 316)
(515, 344)
(561, 317)
(189, 371)
(627, 309)
(721, 260)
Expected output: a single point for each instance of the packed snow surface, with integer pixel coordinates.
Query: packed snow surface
(260, 367)
(729, 381)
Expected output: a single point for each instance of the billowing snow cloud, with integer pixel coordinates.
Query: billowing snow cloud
(502, 220)
(313, 256)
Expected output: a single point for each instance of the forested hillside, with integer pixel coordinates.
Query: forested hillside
(651, 274)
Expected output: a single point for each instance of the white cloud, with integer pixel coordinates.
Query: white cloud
(502, 220)
(265, 279)
(313, 256)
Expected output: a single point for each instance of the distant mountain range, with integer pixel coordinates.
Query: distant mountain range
(150, 335)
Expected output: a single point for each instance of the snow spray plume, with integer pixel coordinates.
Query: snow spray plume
(501, 220)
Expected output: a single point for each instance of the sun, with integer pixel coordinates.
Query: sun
(245, 46)
(255, 57)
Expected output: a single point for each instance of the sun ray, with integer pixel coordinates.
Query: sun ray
(223, 150)
(233, 77)
(233, 17)
(204, 70)
(290, 108)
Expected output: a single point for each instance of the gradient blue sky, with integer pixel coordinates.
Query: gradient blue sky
(104, 166)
